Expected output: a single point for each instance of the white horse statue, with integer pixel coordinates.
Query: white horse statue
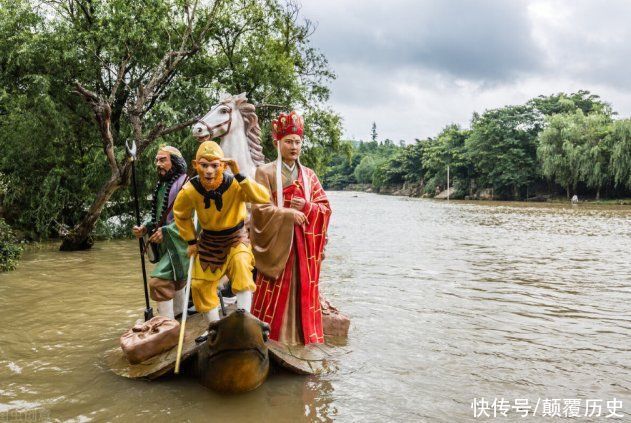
(234, 121)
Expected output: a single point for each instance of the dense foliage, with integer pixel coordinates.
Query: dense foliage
(79, 78)
(10, 250)
(569, 142)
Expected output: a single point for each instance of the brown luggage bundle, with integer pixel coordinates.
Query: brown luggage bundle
(334, 323)
(150, 338)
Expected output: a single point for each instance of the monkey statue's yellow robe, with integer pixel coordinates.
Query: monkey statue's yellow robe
(223, 245)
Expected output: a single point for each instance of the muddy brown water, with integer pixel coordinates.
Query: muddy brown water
(449, 302)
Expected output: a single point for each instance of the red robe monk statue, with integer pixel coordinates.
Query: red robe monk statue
(288, 236)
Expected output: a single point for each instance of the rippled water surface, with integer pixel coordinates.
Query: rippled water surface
(449, 302)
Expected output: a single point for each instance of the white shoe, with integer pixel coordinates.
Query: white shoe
(230, 300)
(244, 300)
(165, 308)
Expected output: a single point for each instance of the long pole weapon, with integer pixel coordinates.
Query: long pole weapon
(132, 153)
(187, 290)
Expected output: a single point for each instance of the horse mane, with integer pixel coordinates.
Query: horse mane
(252, 130)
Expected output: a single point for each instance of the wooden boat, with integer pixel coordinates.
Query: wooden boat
(160, 364)
(312, 359)
(309, 359)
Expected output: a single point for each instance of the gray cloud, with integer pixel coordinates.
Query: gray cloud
(586, 40)
(485, 40)
(415, 66)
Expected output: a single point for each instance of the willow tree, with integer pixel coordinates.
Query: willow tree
(576, 148)
(596, 151)
(621, 152)
(560, 150)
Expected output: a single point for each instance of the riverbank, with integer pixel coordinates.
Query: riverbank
(405, 190)
(416, 191)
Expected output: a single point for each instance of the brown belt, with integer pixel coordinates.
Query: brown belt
(214, 246)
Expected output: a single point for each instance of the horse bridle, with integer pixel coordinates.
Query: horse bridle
(219, 125)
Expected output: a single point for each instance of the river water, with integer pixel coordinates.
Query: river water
(449, 302)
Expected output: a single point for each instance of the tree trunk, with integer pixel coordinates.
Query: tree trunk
(567, 191)
(598, 194)
(79, 237)
(147, 93)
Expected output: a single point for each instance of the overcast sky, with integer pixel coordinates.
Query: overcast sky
(415, 66)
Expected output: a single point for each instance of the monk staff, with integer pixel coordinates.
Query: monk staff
(187, 290)
(132, 153)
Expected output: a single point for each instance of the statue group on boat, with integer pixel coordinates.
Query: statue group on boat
(256, 229)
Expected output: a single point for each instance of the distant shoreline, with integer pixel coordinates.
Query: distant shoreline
(402, 192)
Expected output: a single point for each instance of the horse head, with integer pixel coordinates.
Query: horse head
(233, 120)
(218, 121)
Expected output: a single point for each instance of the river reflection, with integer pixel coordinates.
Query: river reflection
(449, 302)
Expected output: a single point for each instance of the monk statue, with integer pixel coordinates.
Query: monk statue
(223, 247)
(288, 235)
(170, 273)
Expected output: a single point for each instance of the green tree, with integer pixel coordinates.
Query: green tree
(502, 146)
(596, 154)
(366, 169)
(404, 165)
(10, 251)
(265, 51)
(560, 149)
(412, 161)
(373, 132)
(340, 168)
(322, 138)
(620, 142)
(585, 158)
(447, 149)
(576, 148)
(568, 103)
